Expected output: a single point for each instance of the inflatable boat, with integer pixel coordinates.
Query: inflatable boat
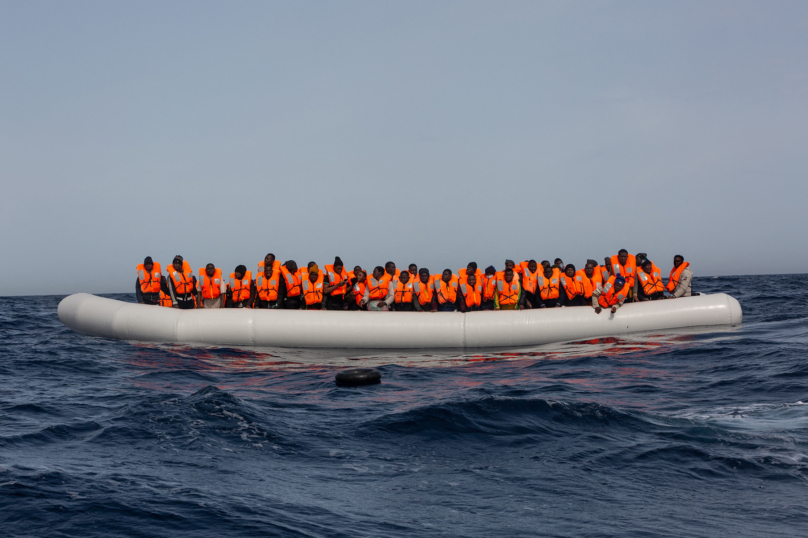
(109, 318)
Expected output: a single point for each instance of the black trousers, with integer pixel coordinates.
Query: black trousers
(335, 302)
(578, 300)
(532, 299)
(403, 307)
(549, 303)
(260, 303)
(447, 307)
(186, 305)
(291, 303)
(151, 298)
(487, 305)
(653, 297)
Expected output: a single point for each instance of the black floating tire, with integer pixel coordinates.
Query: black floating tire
(357, 377)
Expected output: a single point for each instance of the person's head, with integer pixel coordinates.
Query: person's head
(641, 257)
(508, 274)
(589, 269)
(619, 282)
(569, 270)
(291, 266)
(423, 275)
(314, 273)
(622, 256)
(490, 271)
(471, 268)
(678, 260)
(310, 265)
(390, 268)
(647, 266)
(338, 265)
(593, 262)
(269, 259)
(148, 263)
(177, 263)
(378, 272)
(413, 269)
(240, 272)
(210, 270)
(509, 264)
(548, 271)
(359, 274)
(404, 277)
(532, 266)
(472, 279)
(558, 263)
(356, 270)
(447, 275)
(545, 264)
(607, 262)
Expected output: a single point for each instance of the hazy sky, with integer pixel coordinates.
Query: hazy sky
(426, 132)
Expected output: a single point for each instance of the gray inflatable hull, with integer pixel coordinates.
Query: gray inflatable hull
(98, 316)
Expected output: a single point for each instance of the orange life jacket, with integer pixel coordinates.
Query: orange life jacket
(336, 278)
(590, 284)
(211, 288)
(276, 267)
(573, 286)
(377, 289)
(472, 294)
(489, 285)
(183, 282)
(676, 275)
(604, 273)
(386, 279)
(149, 281)
(461, 275)
(548, 288)
(292, 282)
(313, 292)
(403, 292)
(508, 292)
(423, 291)
(650, 283)
(447, 292)
(359, 291)
(268, 287)
(165, 300)
(529, 279)
(240, 287)
(609, 296)
(628, 272)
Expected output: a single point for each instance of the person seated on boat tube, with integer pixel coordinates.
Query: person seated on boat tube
(209, 289)
(560, 264)
(680, 278)
(509, 294)
(268, 285)
(548, 288)
(625, 265)
(591, 278)
(337, 284)
(612, 295)
(313, 289)
(530, 276)
(471, 267)
(607, 270)
(423, 291)
(240, 292)
(378, 289)
(648, 286)
(445, 296)
(470, 295)
(413, 270)
(554, 268)
(403, 293)
(488, 282)
(390, 272)
(181, 284)
(150, 286)
(359, 295)
(290, 290)
(572, 287)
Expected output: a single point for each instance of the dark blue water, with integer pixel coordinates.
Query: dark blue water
(662, 435)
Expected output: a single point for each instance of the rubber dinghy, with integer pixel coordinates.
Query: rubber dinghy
(98, 316)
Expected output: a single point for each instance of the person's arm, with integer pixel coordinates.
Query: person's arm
(170, 292)
(415, 302)
(164, 287)
(618, 305)
(253, 293)
(281, 289)
(138, 291)
(684, 283)
(595, 295)
(520, 304)
(391, 293)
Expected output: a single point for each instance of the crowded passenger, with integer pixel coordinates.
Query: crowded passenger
(181, 284)
(240, 292)
(210, 287)
(445, 292)
(312, 288)
(680, 278)
(548, 289)
(403, 293)
(268, 284)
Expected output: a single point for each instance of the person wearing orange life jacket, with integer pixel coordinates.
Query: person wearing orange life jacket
(612, 295)
(572, 287)
(378, 289)
(360, 293)
(209, 292)
(445, 292)
(470, 268)
(548, 289)
(403, 293)
(268, 285)
(625, 265)
(509, 294)
(423, 296)
(560, 264)
(390, 272)
(337, 285)
(471, 293)
(606, 270)
(649, 282)
(591, 278)
(413, 270)
(150, 286)
(680, 278)
(269, 259)
(290, 290)
(488, 282)
(530, 277)
(240, 291)
(313, 289)
(181, 284)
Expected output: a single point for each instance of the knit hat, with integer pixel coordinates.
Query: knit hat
(314, 269)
